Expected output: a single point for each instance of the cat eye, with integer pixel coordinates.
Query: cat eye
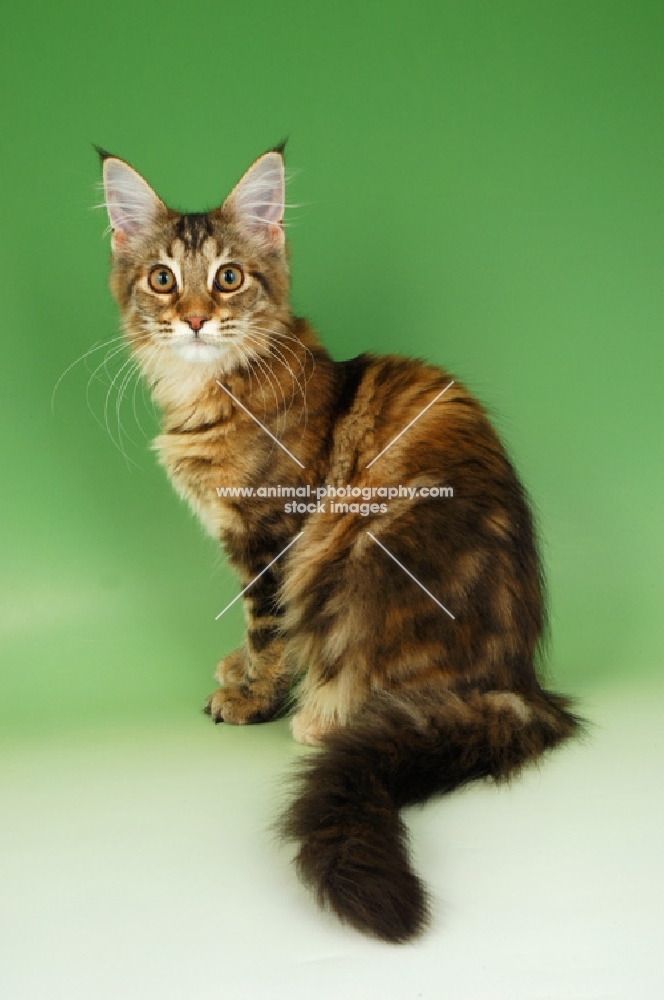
(229, 278)
(161, 279)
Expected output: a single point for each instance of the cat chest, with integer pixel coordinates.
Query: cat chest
(204, 476)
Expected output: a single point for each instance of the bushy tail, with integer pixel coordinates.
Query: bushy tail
(353, 845)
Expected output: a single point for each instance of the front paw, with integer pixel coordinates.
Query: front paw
(240, 703)
(233, 704)
(234, 701)
(241, 699)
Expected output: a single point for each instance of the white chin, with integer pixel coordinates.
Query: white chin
(198, 352)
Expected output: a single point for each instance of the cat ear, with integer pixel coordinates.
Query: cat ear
(257, 200)
(130, 201)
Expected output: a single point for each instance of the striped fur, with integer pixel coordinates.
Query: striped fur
(404, 701)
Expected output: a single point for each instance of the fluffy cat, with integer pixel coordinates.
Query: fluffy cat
(403, 637)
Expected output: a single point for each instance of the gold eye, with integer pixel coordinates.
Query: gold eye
(162, 279)
(229, 278)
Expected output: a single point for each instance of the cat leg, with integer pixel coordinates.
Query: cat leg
(253, 687)
(308, 727)
(324, 707)
(255, 678)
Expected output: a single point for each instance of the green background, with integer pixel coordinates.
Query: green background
(477, 183)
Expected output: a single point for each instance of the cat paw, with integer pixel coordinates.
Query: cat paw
(227, 705)
(307, 729)
(235, 705)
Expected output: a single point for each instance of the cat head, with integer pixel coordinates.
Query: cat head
(205, 288)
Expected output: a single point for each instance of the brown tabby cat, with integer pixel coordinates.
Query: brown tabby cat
(403, 635)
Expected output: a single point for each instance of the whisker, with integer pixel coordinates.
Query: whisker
(296, 340)
(259, 361)
(95, 347)
(272, 352)
(265, 370)
(106, 427)
(119, 443)
(263, 336)
(111, 354)
(133, 364)
(268, 335)
(140, 381)
(248, 356)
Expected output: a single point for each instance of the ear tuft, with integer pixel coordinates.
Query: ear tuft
(130, 201)
(102, 153)
(257, 200)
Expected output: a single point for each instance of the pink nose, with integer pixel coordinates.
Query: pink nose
(195, 322)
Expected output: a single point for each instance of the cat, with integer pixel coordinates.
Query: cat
(402, 635)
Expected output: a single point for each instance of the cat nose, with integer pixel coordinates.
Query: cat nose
(196, 322)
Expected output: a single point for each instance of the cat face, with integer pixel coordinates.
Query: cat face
(204, 289)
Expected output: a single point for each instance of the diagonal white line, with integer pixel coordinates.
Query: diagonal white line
(264, 570)
(410, 574)
(259, 423)
(408, 425)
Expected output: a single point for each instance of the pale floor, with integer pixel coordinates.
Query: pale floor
(140, 866)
